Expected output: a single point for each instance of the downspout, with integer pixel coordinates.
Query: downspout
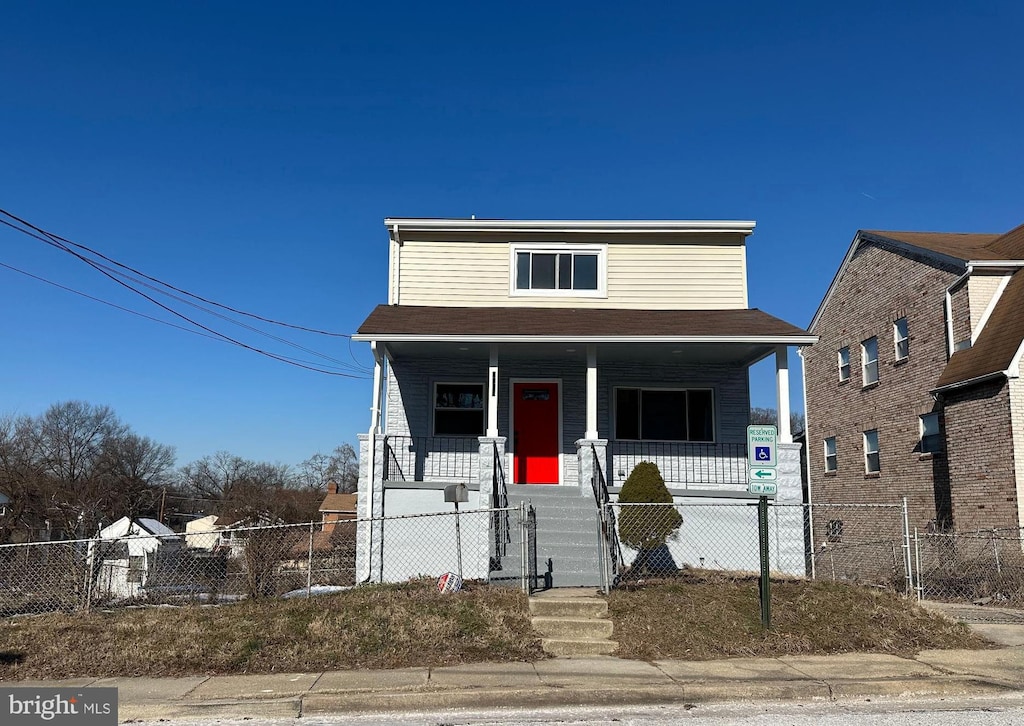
(950, 343)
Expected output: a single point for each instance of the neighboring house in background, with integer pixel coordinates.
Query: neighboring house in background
(542, 360)
(914, 387)
(336, 507)
(128, 552)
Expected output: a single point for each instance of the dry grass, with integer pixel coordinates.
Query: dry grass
(371, 627)
(717, 616)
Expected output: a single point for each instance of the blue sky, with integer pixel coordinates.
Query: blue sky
(248, 152)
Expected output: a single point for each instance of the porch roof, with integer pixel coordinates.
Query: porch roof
(395, 323)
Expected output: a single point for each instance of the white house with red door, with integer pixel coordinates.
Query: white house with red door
(541, 360)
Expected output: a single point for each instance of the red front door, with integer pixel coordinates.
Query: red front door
(535, 422)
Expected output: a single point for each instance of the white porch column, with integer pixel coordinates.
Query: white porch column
(492, 394)
(782, 393)
(591, 392)
(375, 406)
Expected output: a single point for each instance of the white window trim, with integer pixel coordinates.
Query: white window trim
(839, 363)
(714, 413)
(896, 339)
(864, 362)
(433, 407)
(835, 454)
(921, 434)
(876, 452)
(559, 248)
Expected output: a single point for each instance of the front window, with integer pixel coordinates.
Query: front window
(844, 364)
(901, 338)
(834, 530)
(663, 414)
(458, 409)
(869, 360)
(872, 462)
(931, 437)
(558, 270)
(830, 453)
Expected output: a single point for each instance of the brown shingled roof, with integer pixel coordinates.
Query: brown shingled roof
(951, 244)
(514, 321)
(998, 342)
(1011, 245)
(339, 503)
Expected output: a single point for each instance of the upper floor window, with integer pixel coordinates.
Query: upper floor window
(901, 340)
(459, 409)
(872, 460)
(574, 270)
(869, 360)
(664, 414)
(844, 364)
(931, 437)
(830, 454)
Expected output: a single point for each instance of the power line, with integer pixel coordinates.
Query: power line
(54, 241)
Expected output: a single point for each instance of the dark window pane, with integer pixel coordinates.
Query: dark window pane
(458, 423)
(565, 272)
(522, 271)
(663, 415)
(543, 272)
(700, 411)
(627, 413)
(586, 272)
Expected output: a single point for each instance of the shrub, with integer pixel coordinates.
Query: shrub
(645, 528)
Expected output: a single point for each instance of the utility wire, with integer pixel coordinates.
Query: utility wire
(128, 310)
(55, 241)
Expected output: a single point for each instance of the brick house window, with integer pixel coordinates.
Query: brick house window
(830, 453)
(872, 462)
(459, 409)
(901, 339)
(844, 364)
(834, 530)
(931, 437)
(869, 361)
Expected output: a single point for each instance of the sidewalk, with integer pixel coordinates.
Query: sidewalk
(567, 682)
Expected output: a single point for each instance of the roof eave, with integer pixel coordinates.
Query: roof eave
(797, 340)
(565, 226)
(969, 382)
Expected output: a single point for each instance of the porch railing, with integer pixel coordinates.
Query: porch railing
(609, 530)
(431, 458)
(683, 464)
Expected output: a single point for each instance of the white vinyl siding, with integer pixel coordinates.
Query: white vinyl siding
(692, 274)
(980, 290)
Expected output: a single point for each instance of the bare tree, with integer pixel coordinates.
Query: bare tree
(770, 417)
(341, 467)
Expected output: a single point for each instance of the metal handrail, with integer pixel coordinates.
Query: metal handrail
(499, 499)
(607, 515)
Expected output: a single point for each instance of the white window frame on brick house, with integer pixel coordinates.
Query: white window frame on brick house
(564, 279)
(872, 456)
(831, 461)
(901, 339)
(931, 433)
(843, 361)
(869, 365)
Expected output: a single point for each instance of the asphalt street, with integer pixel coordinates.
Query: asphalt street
(1005, 711)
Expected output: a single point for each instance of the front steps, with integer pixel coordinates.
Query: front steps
(573, 622)
(568, 547)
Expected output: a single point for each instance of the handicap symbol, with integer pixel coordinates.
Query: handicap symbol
(763, 453)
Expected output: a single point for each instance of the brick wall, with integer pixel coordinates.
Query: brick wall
(879, 286)
(979, 443)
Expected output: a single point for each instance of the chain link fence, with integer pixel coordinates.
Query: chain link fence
(231, 564)
(864, 544)
(985, 566)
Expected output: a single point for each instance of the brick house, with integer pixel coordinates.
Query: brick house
(913, 388)
(541, 360)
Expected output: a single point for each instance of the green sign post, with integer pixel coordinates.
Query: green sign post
(762, 460)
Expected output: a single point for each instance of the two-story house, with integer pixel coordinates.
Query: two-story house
(541, 360)
(913, 388)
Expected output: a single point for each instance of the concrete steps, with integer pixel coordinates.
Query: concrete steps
(568, 549)
(573, 622)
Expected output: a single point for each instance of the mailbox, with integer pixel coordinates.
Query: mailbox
(456, 493)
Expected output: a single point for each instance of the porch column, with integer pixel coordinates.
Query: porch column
(782, 393)
(375, 406)
(591, 432)
(492, 394)
(370, 505)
